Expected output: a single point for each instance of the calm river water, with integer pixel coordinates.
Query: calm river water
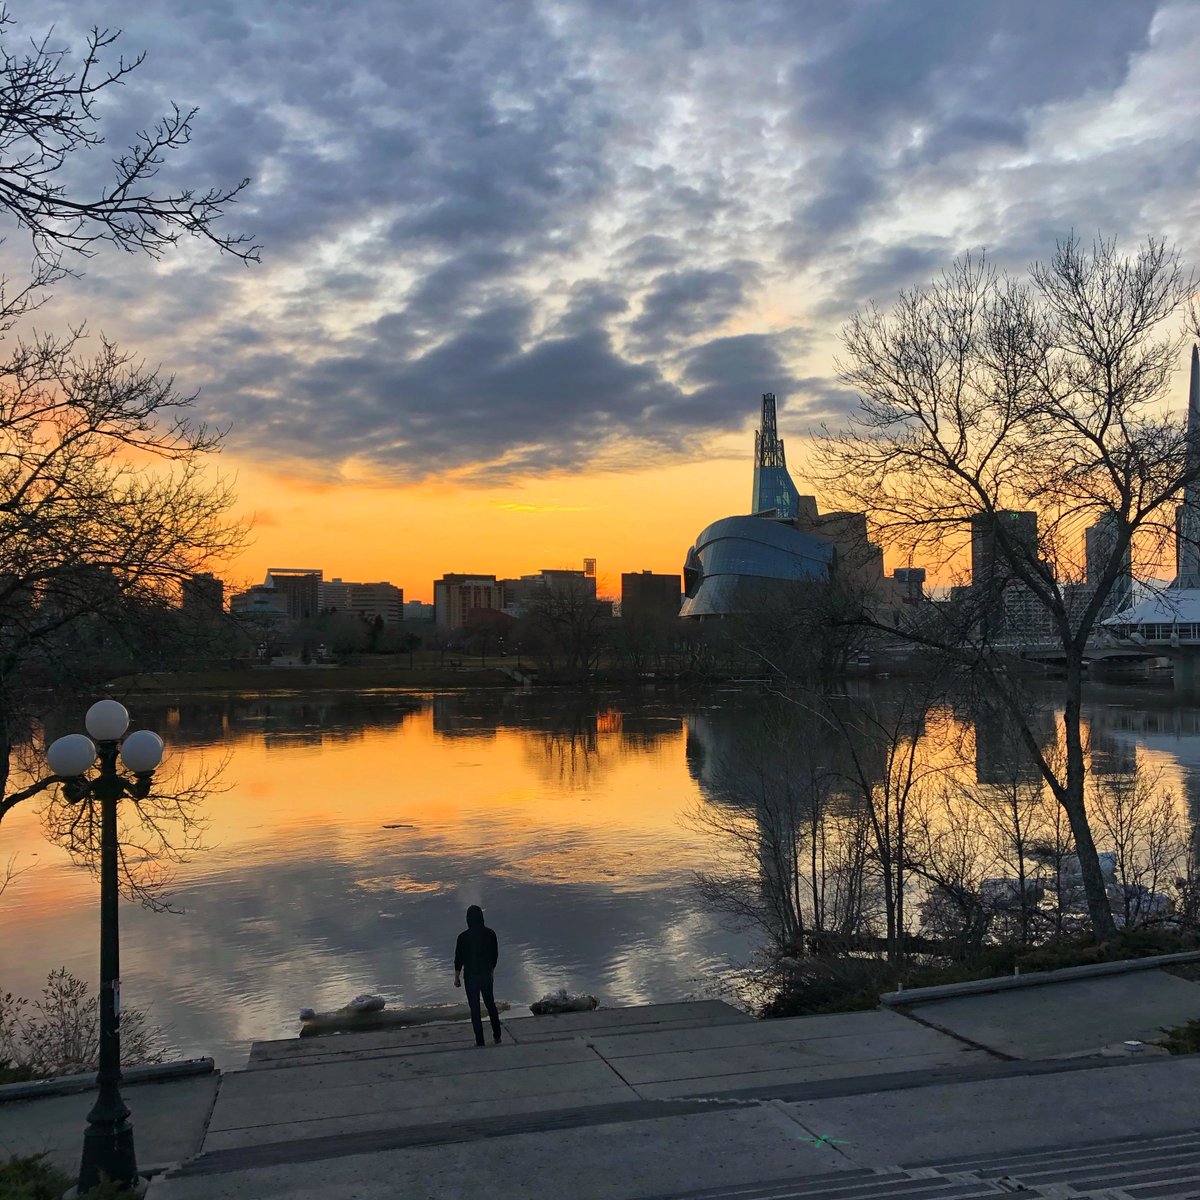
(351, 832)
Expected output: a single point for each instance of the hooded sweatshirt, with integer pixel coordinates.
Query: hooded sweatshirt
(476, 952)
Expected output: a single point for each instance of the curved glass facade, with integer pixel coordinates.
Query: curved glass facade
(736, 560)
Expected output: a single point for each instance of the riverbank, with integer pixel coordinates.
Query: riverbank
(258, 680)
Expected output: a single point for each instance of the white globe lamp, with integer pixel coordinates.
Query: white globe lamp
(142, 751)
(71, 755)
(106, 720)
(108, 1140)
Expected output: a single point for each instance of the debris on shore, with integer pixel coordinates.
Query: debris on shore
(563, 1001)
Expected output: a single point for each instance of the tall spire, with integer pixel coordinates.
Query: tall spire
(1194, 388)
(1187, 517)
(773, 486)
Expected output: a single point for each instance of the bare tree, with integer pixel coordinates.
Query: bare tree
(104, 504)
(980, 396)
(49, 114)
(791, 848)
(566, 627)
(86, 529)
(949, 852)
(1143, 824)
(156, 833)
(888, 770)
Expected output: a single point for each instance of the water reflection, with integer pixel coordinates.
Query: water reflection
(354, 831)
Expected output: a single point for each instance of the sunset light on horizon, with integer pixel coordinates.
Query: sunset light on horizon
(527, 269)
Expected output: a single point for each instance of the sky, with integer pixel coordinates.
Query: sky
(528, 266)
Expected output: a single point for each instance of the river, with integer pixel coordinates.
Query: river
(348, 833)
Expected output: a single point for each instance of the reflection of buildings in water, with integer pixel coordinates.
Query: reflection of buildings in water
(1110, 757)
(1173, 732)
(608, 720)
(751, 736)
(567, 737)
(203, 721)
(1001, 758)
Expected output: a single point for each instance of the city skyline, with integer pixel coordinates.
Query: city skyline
(527, 271)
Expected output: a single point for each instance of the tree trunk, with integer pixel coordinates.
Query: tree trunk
(1072, 799)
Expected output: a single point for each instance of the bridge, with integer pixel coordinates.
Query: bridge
(1165, 626)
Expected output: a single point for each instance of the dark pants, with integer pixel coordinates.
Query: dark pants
(476, 988)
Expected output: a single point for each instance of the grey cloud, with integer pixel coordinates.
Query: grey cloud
(929, 58)
(686, 302)
(967, 132)
(653, 251)
(458, 284)
(592, 304)
(874, 271)
(728, 375)
(538, 218)
(549, 404)
(816, 399)
(851, 180)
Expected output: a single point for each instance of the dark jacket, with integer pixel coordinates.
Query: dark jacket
(476, 952)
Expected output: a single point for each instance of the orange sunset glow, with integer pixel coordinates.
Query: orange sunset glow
(628, 521)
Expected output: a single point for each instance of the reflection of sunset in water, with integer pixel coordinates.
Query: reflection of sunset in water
(346, 838)
(514, 790)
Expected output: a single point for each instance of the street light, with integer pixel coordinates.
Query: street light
(108, 1139)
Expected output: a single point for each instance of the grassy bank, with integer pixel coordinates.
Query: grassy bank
(828, 985)
(32, 1177)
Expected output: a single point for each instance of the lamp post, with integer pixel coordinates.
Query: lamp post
(108, 1139)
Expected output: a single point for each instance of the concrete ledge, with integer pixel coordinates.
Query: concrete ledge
(67, 1085)
(975, 987)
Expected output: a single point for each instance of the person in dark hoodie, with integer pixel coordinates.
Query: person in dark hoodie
(475, 956)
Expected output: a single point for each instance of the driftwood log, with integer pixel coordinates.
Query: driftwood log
(345, 1020)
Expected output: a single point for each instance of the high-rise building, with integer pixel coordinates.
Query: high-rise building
(1187, 522)
(910, 584)
(990, 532)
(455, 595)
(996, 538)
(367, 600)
(1099, 541)
(858, 560)
(299, 590)
(644, 593)
(261, 603)
(202, 593)
(519, 592)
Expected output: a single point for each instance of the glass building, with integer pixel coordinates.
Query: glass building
(738, 562)
(774, 491)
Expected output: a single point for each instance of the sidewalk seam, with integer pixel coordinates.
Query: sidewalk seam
(212, 1108)
(958, 1037)
(592, 1047)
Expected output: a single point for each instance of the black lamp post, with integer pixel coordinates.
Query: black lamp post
(108, 1140)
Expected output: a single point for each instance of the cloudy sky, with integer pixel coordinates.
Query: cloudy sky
(527, 266)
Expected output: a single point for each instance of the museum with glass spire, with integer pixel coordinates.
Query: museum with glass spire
(740, 563)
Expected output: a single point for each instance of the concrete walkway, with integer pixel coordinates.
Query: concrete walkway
(934, 1099)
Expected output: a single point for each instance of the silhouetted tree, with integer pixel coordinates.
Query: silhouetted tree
(50, 117)
(104, 502)
(981, 395)
(567, 627)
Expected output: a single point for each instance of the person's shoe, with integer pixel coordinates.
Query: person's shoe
(496, 1040)
(479, 1045)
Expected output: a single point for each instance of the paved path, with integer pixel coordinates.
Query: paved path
(1080, 1017)
(1028, 1089)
